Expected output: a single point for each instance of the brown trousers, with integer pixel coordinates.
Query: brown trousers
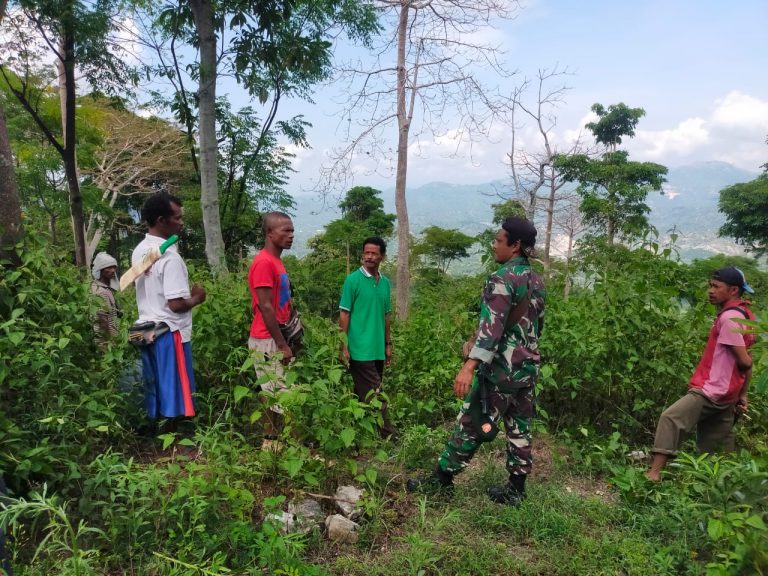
(713, 424)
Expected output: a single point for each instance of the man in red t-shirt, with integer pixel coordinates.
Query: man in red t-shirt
(717, 391)
(271, 305)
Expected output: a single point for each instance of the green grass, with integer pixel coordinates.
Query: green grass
(554, 532)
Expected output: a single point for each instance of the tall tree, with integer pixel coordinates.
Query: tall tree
(136, 156)
(428, 64)
(76, 35)
(613, 189)
(205, 25)
(277, 49)
(11, 229)
(534, 175)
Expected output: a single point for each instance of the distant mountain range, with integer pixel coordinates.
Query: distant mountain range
(688, 205)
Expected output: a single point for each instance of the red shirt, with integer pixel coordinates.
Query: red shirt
(268, 271)
(717, 375)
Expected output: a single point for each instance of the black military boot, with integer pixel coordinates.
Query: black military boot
(512, 494)
(437, 481)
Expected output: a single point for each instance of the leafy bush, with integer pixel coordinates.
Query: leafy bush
(60, 402)
(720, 502)
(622, 344)
(427, 350)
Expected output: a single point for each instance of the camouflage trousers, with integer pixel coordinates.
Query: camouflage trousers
(515, 409)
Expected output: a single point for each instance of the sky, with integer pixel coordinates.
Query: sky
(697, 68)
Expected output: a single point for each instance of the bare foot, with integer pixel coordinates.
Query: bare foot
(653, 476)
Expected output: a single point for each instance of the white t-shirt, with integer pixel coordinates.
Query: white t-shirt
(165, 280)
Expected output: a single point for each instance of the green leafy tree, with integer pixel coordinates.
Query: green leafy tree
(78, 35)
(319, 279)
(362, 216)
(253, 171)
(40, 172)
(441, 246)
(613, 189)
(746, 214)
(615, 122)
(362, 204)
(273, 50)
(501, 211)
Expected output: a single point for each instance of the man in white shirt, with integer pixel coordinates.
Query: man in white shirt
(163, 296)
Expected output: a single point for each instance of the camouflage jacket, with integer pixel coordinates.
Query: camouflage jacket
(510, 354)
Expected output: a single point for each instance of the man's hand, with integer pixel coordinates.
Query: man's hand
(388, 355)
(287, 354)
(463, 380)
(344, 356)
(197, 294)
(742, 404)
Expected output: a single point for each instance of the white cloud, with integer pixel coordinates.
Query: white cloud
(125, 43)
(572, 135)
(742, 112)
(681, 140)
(733, 131)
(301, 154)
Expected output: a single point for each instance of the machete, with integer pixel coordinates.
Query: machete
(152, 256)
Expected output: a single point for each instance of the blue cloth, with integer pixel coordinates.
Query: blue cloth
(163, 391)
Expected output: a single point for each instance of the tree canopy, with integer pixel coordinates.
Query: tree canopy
(613, 189)
(615, 122)
(746, 214)
(442, 246)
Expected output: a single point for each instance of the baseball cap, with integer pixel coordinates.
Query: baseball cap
(520, 229)
(733, 276)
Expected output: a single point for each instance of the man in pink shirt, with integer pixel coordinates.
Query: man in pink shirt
(717, 391)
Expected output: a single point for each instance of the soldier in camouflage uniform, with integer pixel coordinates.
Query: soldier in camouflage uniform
(498, 378)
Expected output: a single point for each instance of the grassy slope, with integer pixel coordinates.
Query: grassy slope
(568, 525)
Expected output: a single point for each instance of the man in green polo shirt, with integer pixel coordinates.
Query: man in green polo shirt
(364, 317)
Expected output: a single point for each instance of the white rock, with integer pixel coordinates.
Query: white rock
(341, 529)
(347, 498)
(285, 521)
(307, 513)
(636, 456)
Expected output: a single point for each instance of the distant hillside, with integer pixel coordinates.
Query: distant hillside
(689, 204)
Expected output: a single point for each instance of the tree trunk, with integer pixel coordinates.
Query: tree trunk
(11, 230)
(67, 96)
(202, 11)
(550, 216)
(611, 232)
(348, 261)
(401, 209)
(568, 280)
